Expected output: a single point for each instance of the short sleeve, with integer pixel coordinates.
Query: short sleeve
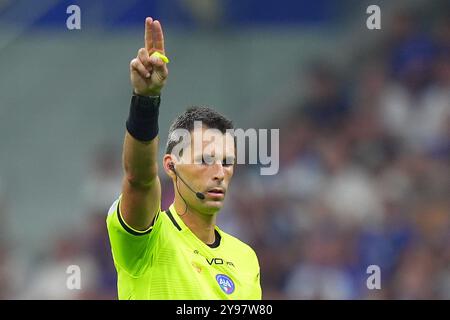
(132, 250)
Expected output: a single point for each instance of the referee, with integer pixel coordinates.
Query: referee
(179, 253)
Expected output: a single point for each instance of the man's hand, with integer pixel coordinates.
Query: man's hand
(148, 75)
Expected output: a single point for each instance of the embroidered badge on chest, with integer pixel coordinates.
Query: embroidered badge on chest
(225, 283)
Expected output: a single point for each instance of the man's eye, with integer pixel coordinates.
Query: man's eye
(227, 163)
(207, 161)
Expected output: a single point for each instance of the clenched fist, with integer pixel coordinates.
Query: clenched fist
(148, 74)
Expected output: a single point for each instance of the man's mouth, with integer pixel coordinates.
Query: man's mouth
(216, 192)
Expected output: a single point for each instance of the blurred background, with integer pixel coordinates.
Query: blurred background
(364, 119)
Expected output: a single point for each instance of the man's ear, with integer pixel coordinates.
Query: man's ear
(168, 164)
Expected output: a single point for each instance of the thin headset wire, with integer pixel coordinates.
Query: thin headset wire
(185, 203)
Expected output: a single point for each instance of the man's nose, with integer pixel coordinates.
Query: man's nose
(219, 173)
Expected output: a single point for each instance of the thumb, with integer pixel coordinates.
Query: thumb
(158, 60)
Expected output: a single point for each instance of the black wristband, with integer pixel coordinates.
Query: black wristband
(142, 121)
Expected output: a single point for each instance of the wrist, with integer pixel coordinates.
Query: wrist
(142, 123)
(148, 93)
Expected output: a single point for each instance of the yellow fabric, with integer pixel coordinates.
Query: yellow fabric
(171, 264)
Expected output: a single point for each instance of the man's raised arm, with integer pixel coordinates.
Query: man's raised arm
(141, 188)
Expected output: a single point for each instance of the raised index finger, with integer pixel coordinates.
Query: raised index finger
(158, 36)
(148, 34)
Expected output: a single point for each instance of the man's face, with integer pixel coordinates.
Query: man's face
(207, 165)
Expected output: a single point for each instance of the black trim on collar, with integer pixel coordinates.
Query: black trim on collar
(217, 239)
(169, 213)
(127, 228)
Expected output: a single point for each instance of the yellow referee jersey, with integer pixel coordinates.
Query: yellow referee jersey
(168, 261)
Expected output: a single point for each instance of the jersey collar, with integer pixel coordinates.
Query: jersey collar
(181, 226)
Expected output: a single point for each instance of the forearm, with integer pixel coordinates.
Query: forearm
(140, 161)
(140, 149)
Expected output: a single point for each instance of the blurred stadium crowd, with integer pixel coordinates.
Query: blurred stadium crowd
(365, 177)
(364, 180)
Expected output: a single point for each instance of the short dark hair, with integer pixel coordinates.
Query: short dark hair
(209, 117)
